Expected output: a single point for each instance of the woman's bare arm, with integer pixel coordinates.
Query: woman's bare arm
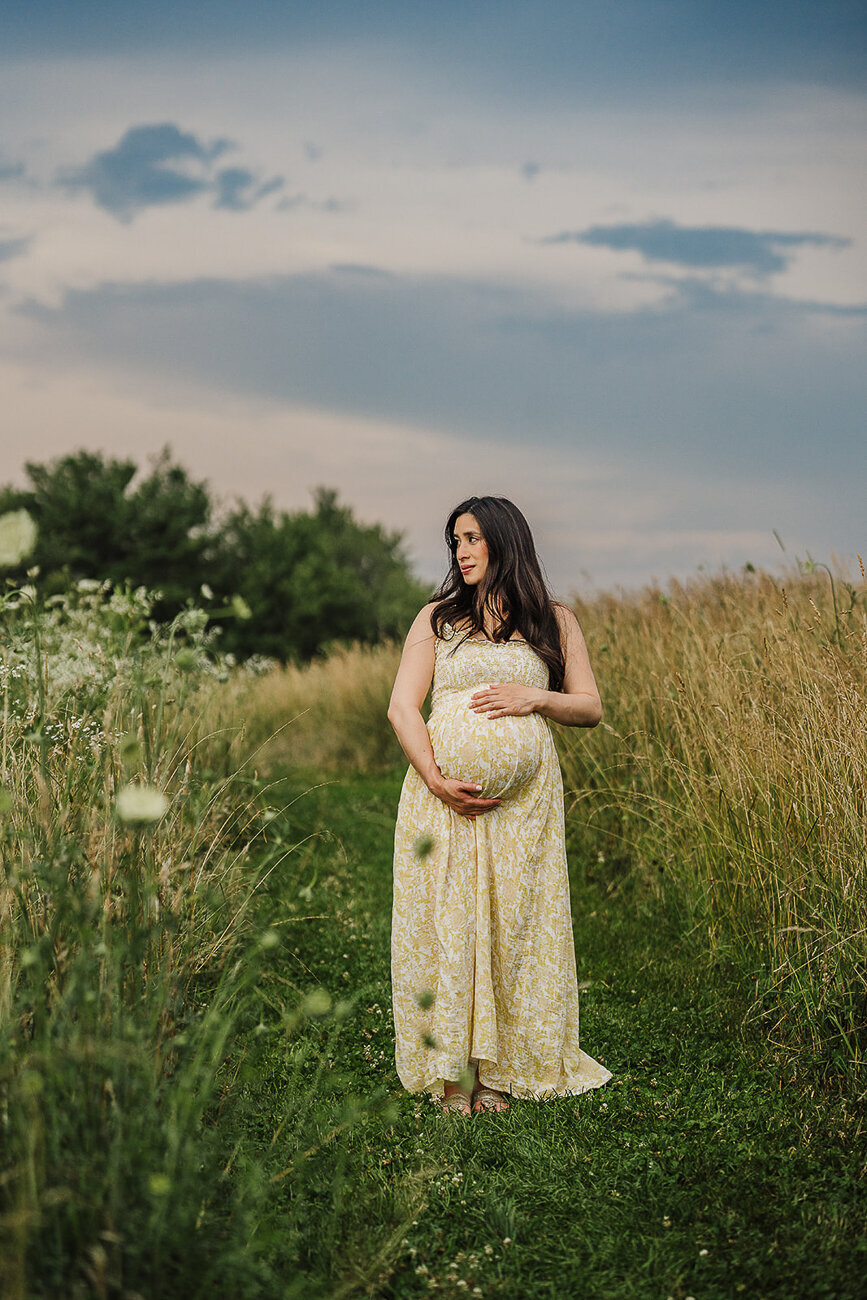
(577, 705)
(411, 685)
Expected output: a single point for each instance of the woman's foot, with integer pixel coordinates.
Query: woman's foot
(456, 1101)
(489, 1099)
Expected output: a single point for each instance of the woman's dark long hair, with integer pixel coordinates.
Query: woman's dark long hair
(513, 591)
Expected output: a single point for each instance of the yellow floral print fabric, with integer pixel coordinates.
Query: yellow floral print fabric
(481, 916)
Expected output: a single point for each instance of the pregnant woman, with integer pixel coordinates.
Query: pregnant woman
(483, 962)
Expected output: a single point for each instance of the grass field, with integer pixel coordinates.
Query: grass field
(197, 1092)
(730, 764)
(710, 1165)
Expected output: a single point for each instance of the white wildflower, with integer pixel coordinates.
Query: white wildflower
(17, 537)
(317, 1003)
(141, 804)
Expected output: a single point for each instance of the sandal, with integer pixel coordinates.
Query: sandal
(456, 1103)
(489, 1100)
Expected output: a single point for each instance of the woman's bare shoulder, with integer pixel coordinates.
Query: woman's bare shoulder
(567, 620)
(564, 614)
(421, 623)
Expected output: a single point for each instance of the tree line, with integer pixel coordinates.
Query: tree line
(308, 578)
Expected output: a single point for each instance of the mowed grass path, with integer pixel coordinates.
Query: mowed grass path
(707, 1167)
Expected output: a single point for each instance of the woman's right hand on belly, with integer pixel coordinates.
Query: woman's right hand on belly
(462, 796)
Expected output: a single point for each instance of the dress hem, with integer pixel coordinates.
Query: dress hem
(520, 1089)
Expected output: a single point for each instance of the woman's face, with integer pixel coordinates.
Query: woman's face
(472, 549)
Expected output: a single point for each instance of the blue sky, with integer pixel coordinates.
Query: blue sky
(606, 260)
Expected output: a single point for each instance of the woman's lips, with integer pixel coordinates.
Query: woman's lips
(465, 568)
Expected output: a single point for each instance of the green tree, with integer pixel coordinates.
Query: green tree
(309, 577)
(312, 578)
(91, 525)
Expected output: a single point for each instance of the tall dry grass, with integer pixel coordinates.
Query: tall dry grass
(729, 769)
(329, 715)
(733, 759)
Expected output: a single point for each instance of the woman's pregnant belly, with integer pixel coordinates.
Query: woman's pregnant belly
(499, 754)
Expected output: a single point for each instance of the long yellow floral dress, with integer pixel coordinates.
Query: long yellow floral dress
(481, 916)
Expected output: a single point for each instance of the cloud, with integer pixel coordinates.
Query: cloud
(141, 170)
(513, 44)
(731, 381)
(701, 295)
(361, 268)
(10, 171)
(10, 248)
(157, 164)
(238, 189)
(330, 205)
(758, 252)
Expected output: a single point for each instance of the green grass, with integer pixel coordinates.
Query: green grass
(712, 1165)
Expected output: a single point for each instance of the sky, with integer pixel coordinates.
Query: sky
(609, 261)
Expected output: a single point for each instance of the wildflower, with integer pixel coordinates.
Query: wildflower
(17, 537)
(206, 591)
(702, 1252)
(186, 660)
(141, 804)
(269, 939)
(240, 608)
(317, 1003)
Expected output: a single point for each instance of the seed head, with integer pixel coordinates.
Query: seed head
(317, 1003)
(17, 537)
(140, 804)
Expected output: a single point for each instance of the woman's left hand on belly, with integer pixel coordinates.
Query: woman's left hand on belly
(506, 699)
